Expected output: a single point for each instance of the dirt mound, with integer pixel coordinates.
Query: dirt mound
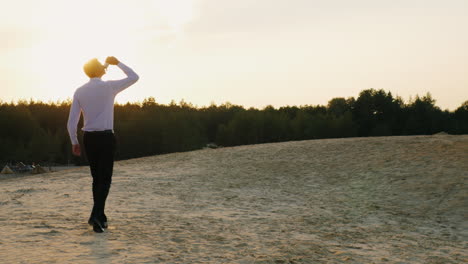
(356, 200)
(442, 133)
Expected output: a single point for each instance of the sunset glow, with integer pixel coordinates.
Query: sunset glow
(252, 53)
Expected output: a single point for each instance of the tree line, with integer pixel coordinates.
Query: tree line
(33, 131)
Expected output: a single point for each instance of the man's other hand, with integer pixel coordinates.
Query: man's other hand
(112, 60)
(76, 150)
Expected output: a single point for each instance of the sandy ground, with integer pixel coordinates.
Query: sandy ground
(358, 200)
(31, 174)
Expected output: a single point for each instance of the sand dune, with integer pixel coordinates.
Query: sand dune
(357, 200)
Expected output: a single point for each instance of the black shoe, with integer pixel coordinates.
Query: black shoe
(104, 221)
(97, 225)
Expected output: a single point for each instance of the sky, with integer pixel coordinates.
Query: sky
(247, 52)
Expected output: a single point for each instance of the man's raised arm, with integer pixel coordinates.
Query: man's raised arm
(120, 85)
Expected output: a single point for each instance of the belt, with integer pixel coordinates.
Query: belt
(108, 131)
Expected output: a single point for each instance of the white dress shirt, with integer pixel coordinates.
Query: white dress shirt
(96, 100)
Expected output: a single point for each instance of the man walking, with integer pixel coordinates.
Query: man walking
(96, 100)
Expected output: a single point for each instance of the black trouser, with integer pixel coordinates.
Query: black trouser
(100, 149)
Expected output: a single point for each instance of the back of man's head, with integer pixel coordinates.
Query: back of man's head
(93, 68)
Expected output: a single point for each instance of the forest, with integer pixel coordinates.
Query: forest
(34, 131)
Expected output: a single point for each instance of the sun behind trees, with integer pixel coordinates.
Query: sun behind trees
(36, 131)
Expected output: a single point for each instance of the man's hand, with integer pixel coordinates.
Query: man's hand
(112, 60)
(76, 150)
